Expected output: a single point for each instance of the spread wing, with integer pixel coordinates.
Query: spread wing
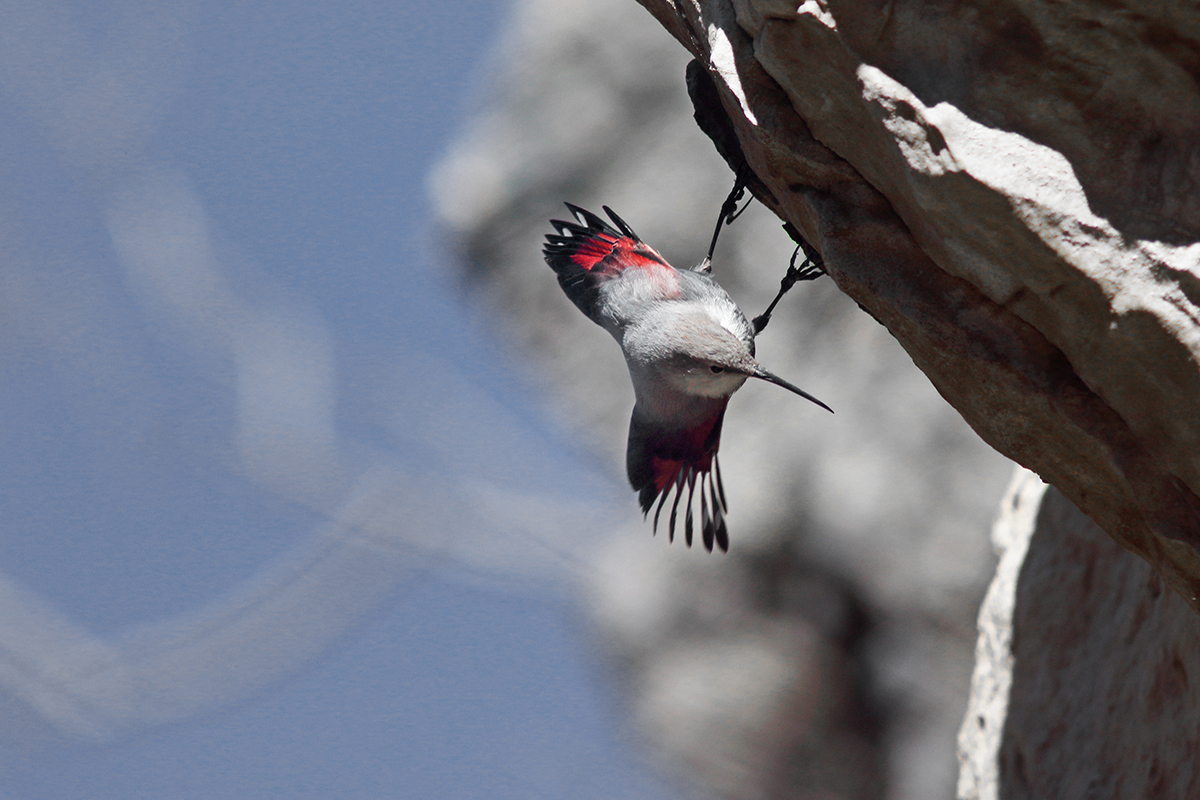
(587, 253)
(662, 462)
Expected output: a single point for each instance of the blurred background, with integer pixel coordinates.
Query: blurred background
(312, 479)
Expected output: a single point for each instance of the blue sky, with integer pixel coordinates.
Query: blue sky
(279, 516)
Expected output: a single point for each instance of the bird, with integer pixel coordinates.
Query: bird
(688, 348)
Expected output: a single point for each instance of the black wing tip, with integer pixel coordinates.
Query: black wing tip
(723, 537)
(713, 530)
(567, 233)
(584, 224)
(561, 245)
(593, 222)
(622, 224)
(646, 497)
(588, 223)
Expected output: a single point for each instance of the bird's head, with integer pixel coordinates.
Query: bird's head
(706, 361)
(695, 354)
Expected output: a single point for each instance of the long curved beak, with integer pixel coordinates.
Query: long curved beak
(778, 381)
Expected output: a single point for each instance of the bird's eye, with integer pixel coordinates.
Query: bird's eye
(716, 369)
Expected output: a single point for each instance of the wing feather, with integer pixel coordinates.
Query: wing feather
(586, 253)
(664, 461)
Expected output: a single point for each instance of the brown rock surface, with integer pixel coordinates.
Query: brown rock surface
(1010, 188)
(1088, 673)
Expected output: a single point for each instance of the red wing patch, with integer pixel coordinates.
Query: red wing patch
(605, 254)
(665, 462)
(586, 253)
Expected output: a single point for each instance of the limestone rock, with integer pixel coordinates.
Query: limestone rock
(829, 653)
(1009, 188)
(1087, 677)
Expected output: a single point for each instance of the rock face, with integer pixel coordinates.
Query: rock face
(1009, 188)
(1088, 672)
(829, 653)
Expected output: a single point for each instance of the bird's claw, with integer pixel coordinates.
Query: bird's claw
(810, 269)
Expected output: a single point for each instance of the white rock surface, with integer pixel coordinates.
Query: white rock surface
(1087, 678)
